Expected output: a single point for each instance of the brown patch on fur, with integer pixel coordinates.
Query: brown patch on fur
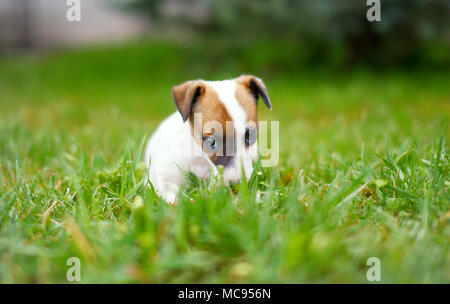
(255, 88)
(247, 101)
(185, 96)
(212, 109)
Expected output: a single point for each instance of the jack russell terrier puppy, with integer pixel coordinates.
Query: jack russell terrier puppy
(216, 126)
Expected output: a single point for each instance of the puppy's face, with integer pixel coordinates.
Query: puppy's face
(223, 120)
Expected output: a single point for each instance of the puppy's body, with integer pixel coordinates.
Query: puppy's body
(168, 155)
(180, 143)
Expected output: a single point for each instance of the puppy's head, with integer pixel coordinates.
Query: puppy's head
(223, 119)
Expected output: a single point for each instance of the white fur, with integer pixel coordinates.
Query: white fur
(172, 150)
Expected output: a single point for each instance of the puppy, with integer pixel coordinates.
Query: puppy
(216, 125)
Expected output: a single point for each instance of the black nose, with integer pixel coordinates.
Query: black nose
(224, 160)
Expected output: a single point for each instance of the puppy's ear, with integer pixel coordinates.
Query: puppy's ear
(256, 87)
(185, 95)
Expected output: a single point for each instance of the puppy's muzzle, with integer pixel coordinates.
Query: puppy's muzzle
(225, 161)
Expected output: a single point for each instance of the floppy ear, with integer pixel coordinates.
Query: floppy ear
(256, 87)
(185, 95)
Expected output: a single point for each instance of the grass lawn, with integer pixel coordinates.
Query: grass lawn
(363, 172)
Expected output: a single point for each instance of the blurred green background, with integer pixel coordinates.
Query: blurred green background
(128, 53)
(78, 99)
(289, 34)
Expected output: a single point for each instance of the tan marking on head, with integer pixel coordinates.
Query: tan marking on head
(211, 109)
(247, 101)
(254, 88)
(185, 95)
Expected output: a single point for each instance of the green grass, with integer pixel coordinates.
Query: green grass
(363, 172)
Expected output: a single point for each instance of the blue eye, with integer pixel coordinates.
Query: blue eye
(250, 136)
(210, 142)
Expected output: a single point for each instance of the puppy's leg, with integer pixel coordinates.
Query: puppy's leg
(202, 167)
(169, 191)
(165, 188)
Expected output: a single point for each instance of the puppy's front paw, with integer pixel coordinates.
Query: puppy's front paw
(171, 199)
(169, 193)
